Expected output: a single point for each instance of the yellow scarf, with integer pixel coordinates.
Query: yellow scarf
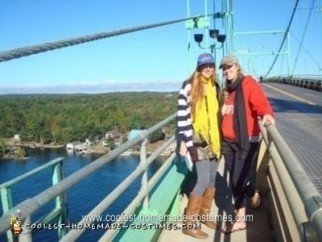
(206, 123)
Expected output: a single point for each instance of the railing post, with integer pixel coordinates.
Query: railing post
(144, 165)
(60, 200)
(31, 205)
(25, 236)
(6, 201)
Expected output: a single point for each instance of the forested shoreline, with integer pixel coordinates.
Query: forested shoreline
(63, 118)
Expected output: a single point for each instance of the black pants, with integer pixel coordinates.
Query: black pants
(242, 167)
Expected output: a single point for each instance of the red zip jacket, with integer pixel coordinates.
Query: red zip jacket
(256, 104)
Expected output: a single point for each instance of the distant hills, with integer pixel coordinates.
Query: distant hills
(95, 88)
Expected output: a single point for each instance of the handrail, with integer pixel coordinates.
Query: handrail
(311, 77)
(310, 82)
(133, 205)
(29, 206)
(308, 193)
(6, 197)
(28, 174)
(72, 235)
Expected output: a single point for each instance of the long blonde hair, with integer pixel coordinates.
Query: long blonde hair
(197, 91)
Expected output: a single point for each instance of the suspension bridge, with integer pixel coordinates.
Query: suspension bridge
(289, 164)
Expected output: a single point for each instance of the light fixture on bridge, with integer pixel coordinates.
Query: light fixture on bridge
(213, 33)
(221, 38)
(198, 38)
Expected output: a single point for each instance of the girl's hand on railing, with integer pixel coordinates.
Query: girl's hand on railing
(183, 149)
(268, 120)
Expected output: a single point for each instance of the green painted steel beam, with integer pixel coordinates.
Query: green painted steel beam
(30, 173)
(160, 203)
(198, 23)
(60, 200)
(190, 24)
(203, 23)
(175, 207)
(5, 188)
(6, 201)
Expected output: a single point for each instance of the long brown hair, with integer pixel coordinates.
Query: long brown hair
(197, 91)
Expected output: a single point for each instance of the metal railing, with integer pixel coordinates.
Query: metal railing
(310, 82)
(31, 205)
(295, 207)
(58, 211)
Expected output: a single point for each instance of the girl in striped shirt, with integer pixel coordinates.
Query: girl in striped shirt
(199, 135)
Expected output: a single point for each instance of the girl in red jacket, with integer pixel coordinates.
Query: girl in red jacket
(243, 105)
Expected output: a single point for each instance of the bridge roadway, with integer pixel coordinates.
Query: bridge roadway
(299, 119)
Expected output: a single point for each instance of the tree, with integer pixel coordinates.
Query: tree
(156, 136)
(3, 147)
(66, 118)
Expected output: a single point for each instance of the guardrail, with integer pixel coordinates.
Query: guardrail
(295, 205)
(31, 205)
(58, 211)
(313, 82)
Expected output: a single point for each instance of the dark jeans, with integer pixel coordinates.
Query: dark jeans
(242, 167)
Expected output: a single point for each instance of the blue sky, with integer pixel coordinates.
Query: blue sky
(151, 56)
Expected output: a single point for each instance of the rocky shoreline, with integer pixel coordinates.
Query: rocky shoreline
(16, 150)
(37, 145)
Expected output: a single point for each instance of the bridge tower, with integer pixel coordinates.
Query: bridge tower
(206, 33)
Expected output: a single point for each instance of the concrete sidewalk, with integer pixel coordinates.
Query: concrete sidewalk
(257, 230)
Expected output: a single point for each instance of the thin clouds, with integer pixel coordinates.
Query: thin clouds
(108, 86)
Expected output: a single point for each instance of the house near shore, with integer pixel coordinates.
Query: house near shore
(72, 145)
(81, 147)
(88, 143)
(134, 133)
(16, 139)
(115, 136)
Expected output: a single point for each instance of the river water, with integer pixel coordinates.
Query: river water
(82, 197)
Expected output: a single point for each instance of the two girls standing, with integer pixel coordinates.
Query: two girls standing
(205, 135)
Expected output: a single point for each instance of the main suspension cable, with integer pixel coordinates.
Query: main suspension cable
(34, 49)
(283, 41)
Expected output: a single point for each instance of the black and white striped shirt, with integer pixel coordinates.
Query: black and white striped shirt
(184, 116)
